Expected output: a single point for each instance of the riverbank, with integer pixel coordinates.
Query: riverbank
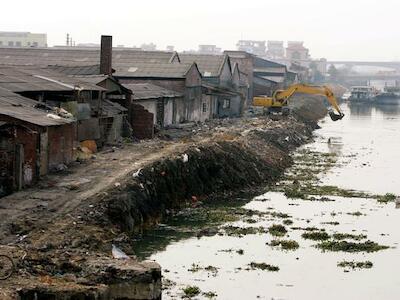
(60, 234)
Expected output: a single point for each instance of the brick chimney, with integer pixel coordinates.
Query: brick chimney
(106, 55)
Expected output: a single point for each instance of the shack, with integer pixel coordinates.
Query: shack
(80, 98)
(33, 141)
(221, 95)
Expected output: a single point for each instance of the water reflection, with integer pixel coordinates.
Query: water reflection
(368, 109)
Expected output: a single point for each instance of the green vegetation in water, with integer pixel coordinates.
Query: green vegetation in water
(241, 231)
(344, 236)
(196, 268)
(307, 228)
(356, 213)
(356, 264)
(345, 246)
(294, 193)
(277, 230)
(285, 244)
(264, 266)
(211, 269)
(316, 235)
(388, 197)
(287, 222)
(210, 295)
(191, 291)
(331, 223)
(279, 215)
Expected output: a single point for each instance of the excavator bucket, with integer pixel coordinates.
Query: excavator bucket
(335, 117)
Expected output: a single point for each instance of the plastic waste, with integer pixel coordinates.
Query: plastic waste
(118, 253)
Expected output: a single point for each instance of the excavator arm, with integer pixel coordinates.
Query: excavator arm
(282, 97)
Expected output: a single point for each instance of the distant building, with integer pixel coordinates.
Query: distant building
(170, 48)
(296, 51)
(275, 49)
(149, 47)
(209, 49)
(254, 47)
(22, 39)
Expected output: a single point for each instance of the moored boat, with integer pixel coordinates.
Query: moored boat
(363, 94)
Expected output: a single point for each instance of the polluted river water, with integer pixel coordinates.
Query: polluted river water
(362, 151)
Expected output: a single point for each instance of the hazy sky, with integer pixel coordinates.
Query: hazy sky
(337, 29)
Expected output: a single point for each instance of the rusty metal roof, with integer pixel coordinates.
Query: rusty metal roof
(142, 91)
(29, 79)
(21, 108)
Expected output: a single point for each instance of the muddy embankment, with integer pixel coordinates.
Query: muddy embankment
(70, 257)
(235, 161)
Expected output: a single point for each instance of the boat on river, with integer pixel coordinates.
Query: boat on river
(390, 95)
(363, 94)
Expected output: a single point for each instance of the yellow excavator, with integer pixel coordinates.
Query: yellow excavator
(279, 101)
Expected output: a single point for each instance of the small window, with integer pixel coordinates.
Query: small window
(227, 103)
(1, 43)
(10, 44)
(18, 44)
(204, 107)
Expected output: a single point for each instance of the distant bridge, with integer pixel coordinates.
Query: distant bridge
(386, 64)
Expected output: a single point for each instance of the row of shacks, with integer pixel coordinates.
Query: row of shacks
(55, 101)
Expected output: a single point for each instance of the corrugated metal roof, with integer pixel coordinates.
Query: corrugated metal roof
(142, 91)
(209, 65)
(112, 108)
(152, 70)
(76, 70)
(77, 57)
(277, 79)
(21, 108)
(23, 79)
(270, 70)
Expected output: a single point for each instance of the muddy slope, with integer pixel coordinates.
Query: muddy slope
(248, 159)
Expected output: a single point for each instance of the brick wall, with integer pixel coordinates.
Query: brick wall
(141, 122)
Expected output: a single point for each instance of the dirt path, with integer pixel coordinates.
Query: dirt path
(59, 194)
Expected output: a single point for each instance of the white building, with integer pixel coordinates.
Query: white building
(22, 39)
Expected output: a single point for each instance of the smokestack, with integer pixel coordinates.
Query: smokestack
(106, 55)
